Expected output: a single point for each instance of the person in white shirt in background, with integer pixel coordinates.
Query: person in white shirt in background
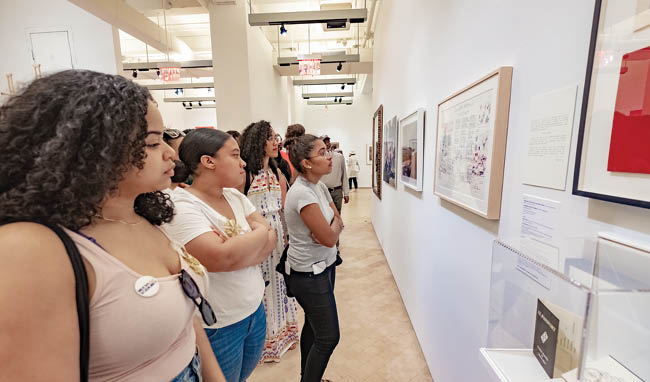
(221, 228)
(353, 170)
(337, 180)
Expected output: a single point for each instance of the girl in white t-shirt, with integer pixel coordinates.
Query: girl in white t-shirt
(220, 227)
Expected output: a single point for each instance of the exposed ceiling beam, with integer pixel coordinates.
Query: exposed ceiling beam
(327, 95)
(344, 102)
(120, 15)
(188, 99)
(326, 81)
(168, 86)
(167, 64)
(329, 69)
(201, 107)
(309, 17)
(286, 61)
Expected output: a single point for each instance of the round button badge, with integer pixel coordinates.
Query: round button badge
(147, 286)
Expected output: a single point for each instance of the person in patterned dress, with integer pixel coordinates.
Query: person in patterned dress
(266, 188)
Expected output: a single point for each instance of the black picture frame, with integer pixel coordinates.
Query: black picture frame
(583, 122)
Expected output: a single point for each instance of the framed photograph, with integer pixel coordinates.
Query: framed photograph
(377, 127)
(369, 153)
(390, 152)
(613, 155)
(471, 144)
(411, 149)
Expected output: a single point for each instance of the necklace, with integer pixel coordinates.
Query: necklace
(120, 221)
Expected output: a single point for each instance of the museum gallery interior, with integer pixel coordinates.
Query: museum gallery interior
(503, 150)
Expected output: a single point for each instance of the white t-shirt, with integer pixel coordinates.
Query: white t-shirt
(233, 295)
(303, 251)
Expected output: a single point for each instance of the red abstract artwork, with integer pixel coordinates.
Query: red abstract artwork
(629, 149)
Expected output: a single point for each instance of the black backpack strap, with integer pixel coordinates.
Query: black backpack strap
(83, 303)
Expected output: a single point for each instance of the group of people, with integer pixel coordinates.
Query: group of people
(195, 247)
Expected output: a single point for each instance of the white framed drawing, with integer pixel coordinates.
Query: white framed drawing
(471, 144)
(369, 154)
(411, 149)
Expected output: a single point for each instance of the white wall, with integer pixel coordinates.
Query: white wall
(440, 254)
(268, 90)
(350, 125)
(176, 117)
(92, 38)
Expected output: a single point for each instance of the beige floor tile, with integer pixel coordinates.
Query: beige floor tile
(377, 340)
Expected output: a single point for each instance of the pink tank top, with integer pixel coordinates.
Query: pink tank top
(135, 338)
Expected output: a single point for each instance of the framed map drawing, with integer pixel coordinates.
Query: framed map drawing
(471, 144)
(613, 154)
(411, 149)
(390, 152)
(377, 125)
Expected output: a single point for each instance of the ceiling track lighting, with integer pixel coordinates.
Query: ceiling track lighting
(135, 73)
(183, 104)
(200, 103)
(158, 73)
(339, 67)
(343, 87)
(283, 30)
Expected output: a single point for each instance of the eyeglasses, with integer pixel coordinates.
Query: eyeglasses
(322, 153)
(192, 291)
(277, 138)
(173, 133)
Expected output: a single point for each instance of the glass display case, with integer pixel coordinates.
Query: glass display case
(587, 319)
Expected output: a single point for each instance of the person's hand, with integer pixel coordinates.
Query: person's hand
(346, 199)
(256, 225)
(338, 221)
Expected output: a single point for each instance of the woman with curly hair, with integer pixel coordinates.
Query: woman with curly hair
(224, 231)
(267, 189)
(83, 150)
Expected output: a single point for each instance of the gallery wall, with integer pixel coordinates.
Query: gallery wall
(347, 124)
(92, 38)
(440, 254)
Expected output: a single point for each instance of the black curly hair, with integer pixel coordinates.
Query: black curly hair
(252, 145)
(67, 141)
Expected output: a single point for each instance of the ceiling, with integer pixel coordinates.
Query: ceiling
(189, 22)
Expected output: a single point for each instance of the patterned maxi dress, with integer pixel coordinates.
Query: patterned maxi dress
(281, 311)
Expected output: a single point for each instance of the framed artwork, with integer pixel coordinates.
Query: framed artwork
(471, 144)
(411, 149)
(390, 152)
(369, 154)
(613, 155)
(377, 124)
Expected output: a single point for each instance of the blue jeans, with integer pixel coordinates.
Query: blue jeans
(192, 373)
(321, 334)
(238, 347)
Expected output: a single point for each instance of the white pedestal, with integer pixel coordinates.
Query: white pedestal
(514, 365)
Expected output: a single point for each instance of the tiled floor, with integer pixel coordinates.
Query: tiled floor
(377, 341)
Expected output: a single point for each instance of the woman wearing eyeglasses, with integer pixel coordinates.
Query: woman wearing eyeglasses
(71, 159)
(266, 188)
(314, 227)
(221, 227)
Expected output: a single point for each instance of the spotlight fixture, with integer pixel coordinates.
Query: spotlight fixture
(283, 30)
(135, 73)
(200, 103)
(158, 72)
(210, 90)
(190, 104)
(339, 67)
(183, 104)
(343, 87)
